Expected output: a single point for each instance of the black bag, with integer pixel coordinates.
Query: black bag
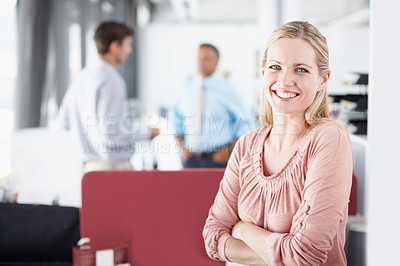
(37, 234)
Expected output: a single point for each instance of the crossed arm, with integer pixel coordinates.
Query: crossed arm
(247, 244)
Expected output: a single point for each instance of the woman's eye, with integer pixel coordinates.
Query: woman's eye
(302, 70)
(275, 67)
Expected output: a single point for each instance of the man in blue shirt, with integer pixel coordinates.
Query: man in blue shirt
(210, 115)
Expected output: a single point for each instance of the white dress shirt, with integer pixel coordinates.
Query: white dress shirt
(94, 109)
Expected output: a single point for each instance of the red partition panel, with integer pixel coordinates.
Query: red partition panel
(353, 196)
(161, 213)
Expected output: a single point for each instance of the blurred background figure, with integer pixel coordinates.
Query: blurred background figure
(210, 115)
(94, 107)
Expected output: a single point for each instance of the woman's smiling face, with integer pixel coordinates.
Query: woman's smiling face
(291, 77)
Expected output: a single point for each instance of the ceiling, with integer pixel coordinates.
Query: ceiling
(246, 11)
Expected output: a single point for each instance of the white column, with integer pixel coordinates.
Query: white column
(291, 10)
(269, 15)
(383, 172)
(274, 13)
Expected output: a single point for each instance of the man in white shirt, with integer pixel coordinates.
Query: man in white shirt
(94, 107)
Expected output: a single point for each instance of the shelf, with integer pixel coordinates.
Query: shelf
(359, 139)
(357, 223)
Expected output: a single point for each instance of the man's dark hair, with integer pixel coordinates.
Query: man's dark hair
(110, 31)
(210, 46)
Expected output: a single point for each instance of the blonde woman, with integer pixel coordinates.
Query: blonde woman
(284, 196)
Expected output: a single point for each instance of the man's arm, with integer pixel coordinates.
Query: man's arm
(244, 119)
(186, 154)
(112, 114)
(222, 155)
(154, 132)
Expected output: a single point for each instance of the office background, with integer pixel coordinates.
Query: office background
(167, 35)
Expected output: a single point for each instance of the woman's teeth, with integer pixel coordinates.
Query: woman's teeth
(285, 95)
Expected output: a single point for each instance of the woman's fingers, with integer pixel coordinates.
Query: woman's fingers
(297, 225)
(299, 218)
(236, 229)
(299, 213)
(302, 209)
(294, 230)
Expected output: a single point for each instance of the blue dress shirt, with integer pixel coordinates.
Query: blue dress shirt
(225, 116)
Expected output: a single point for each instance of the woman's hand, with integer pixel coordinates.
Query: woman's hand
(246, 231)
(237, 229)
(299, 218)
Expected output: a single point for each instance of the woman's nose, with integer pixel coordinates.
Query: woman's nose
(286, 79)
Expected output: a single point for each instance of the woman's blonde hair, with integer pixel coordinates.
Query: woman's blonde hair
(318, 111)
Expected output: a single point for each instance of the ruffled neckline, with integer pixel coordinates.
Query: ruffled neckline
(296, 156)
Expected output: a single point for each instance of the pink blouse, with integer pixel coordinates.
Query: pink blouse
(319, 171)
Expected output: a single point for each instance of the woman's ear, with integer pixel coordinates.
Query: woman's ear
(262, 68)
(324, 81)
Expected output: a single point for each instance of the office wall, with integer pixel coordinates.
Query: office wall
(167, 56)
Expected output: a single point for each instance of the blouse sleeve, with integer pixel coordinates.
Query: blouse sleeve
(223, 214)
(326, 191)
